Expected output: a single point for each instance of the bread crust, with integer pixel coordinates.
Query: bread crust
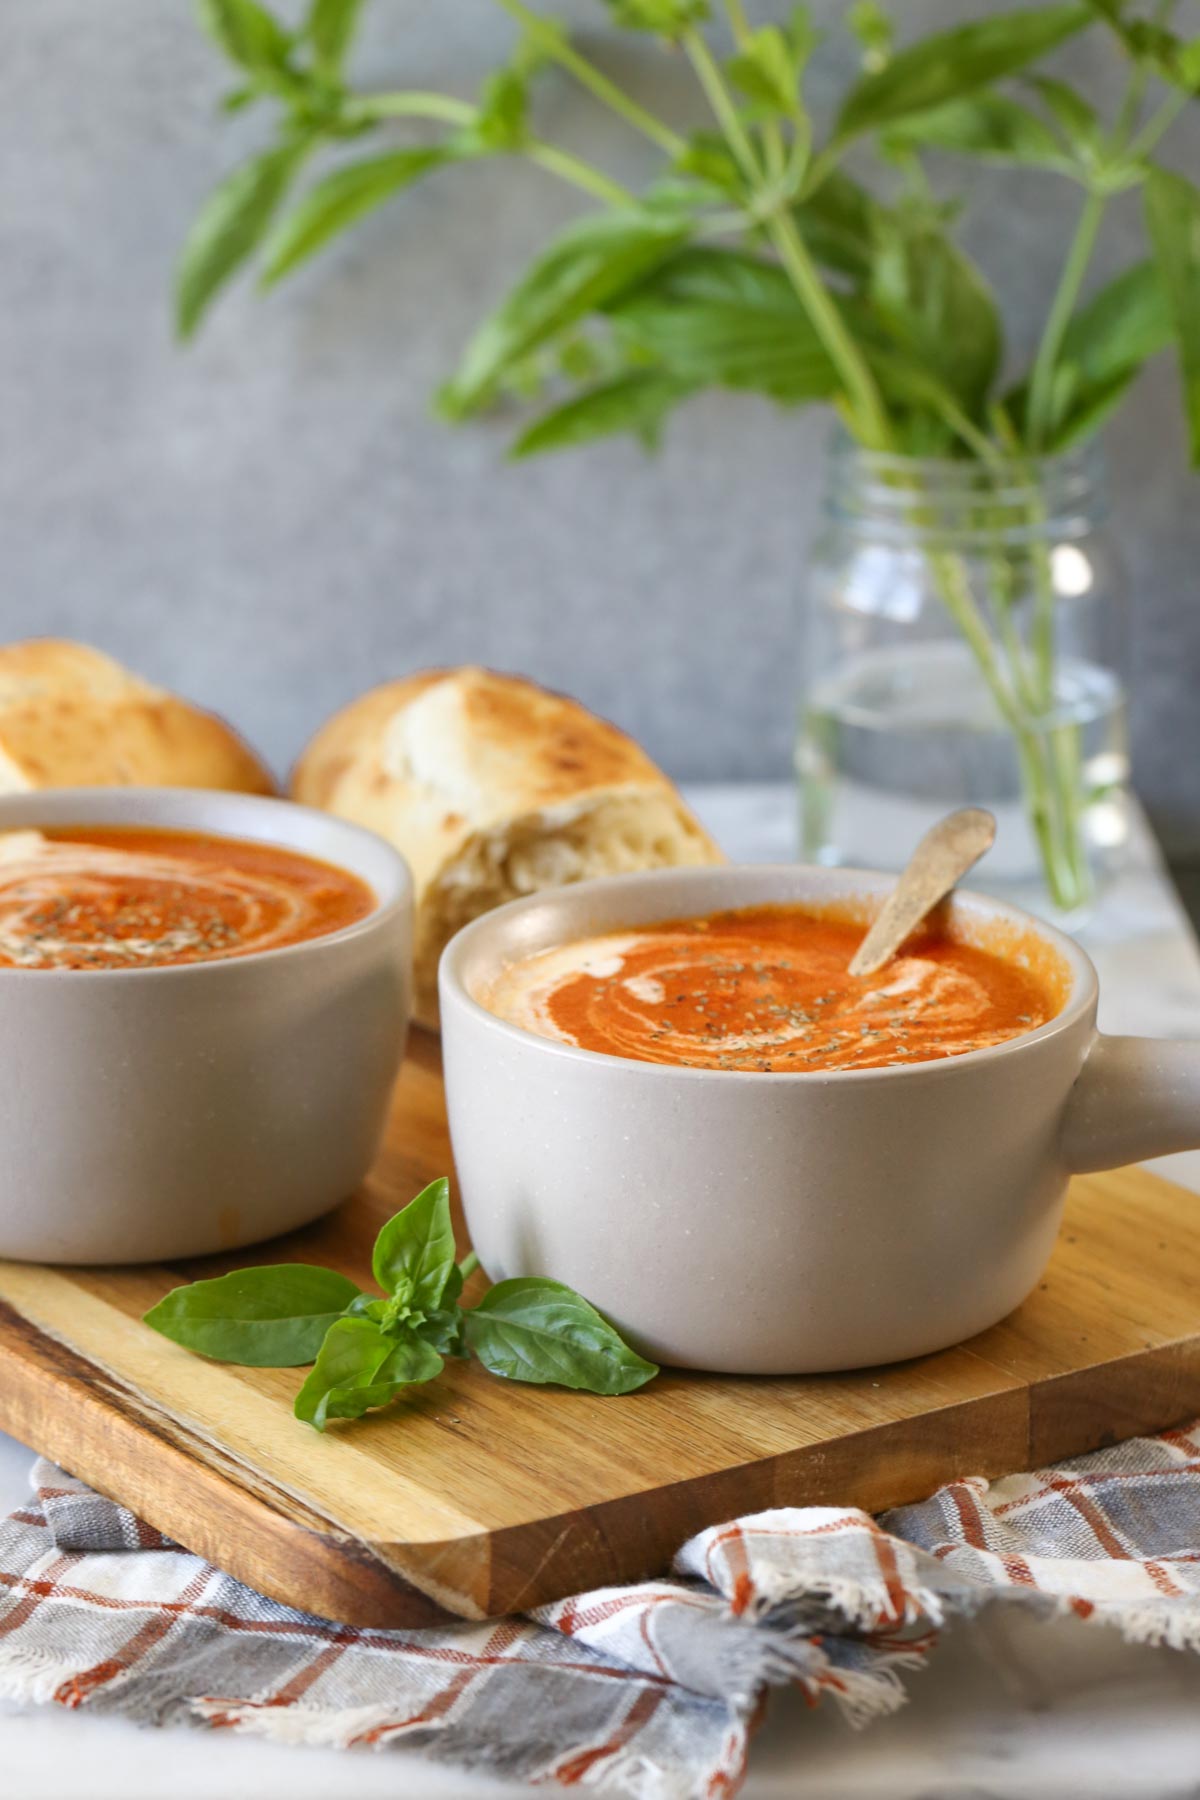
(458, 768)
(71, 716)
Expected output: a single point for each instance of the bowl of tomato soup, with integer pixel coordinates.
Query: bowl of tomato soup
(668, 1091)
(204, 999)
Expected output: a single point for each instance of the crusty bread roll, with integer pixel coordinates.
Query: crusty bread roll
(492, 788)
(72, 717)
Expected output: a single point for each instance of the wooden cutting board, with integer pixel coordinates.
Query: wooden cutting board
(482, 1497)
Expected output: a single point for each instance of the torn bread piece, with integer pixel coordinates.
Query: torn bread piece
(72, 717)
(492, 787)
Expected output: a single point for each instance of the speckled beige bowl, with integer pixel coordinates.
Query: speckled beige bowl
(154, 1113)
(780, 1223)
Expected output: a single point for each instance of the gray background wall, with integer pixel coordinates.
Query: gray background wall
(271, 521)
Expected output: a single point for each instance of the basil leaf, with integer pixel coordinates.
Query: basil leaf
(443, 1331)
(952, 63)
(1121, 326)
(502, 122)
(934, 305)
(271, 1317)
(990, 126)
(366, 1306)
(1149, 42)
(229, 226)
(1075, 117)
(918, 395)
(836, 224)
(1180, 63)
(415, 1250)
(1173, 218)
(768, 67)
(638, 402)
(360, 1367)
(722, 316)
(531, 1329)
(247, 33)
(452, 1289)
(708, 157)
(330, 28)
(586, 266)
(339, 199)
(1080, 411)
(666, 18)
(1105, 345)
(708, 277)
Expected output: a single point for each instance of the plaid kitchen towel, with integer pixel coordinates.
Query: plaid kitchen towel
(651, 1690)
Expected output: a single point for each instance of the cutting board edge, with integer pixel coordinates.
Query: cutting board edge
(358, 1585)
(1173, 1366)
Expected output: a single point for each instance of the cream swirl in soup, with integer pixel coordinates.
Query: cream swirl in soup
(767, 989)
(126, 898)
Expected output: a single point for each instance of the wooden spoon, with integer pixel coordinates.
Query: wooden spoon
(942, 858)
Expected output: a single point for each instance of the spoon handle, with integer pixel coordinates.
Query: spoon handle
(942, 858)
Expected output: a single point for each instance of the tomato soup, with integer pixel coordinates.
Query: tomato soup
(128, 898)
(767, 989)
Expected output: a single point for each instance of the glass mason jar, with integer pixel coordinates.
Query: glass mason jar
(962, 646)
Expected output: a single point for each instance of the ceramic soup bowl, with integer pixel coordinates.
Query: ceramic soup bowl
(764, 1223)
(164, 1112)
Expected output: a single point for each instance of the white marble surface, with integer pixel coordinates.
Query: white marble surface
(1007, 1710)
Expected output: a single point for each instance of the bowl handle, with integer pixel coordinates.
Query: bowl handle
(1135, 1097)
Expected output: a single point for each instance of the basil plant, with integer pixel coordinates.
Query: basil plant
(809, 261)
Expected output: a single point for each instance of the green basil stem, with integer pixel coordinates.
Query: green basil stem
(1055, 777)
(772, 137)
(955, 589)
(1057, 792)
(1074, 269)
(1135, 93)
(963, 427)
(869, 414)
(1131, 105)
(579, 173)
(552, 43)
(1003, 596)
(1048, 754)
(1041, 683)
(870, 418)
(1063, 740)
(724, 110)
(468, 1265)
(1045, 759)
(738, 22)
(372, 109)
(1053, 763)
(1158, 123)
(820, 168)
(378, 107)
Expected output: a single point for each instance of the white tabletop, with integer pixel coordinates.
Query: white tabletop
(1008, 1709)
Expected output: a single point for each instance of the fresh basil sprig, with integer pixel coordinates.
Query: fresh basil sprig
(366, 1348)
(267, 1318)
(889, 320)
